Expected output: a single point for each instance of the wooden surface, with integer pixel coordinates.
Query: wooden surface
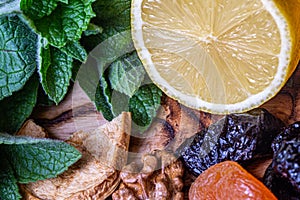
(76, 113)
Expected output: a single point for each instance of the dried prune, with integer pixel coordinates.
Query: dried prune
(285, 167)
(236, 137)
(279, 185)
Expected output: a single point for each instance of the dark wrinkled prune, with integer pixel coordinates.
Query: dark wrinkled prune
(279, 185)
(290, 132)
(286, 158)
(236, 137)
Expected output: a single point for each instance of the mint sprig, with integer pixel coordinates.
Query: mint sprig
(122, 85)
(28, 40)
(61, 22)
(30, 31)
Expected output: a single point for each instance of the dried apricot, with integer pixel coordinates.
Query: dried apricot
(228, 180)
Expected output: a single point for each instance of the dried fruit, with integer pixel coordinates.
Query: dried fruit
(279, 185)
(285, 167)
(158, 177)
(96, 174)
(236, 137)
(228, 180)
(29, 128)
(173, 124)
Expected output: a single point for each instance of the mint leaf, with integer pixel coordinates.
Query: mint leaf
(98, 60)
(19, 47)
(113, 16)
(8, 182)
(119, 102)
(17, 108)
(126, 74)
(11, 139)
(75, 50)
(66, 23)
(103, 99)
(35, 159)
(36, 9)
(55, 73)
(144, 104)
(8, 6)
(43, 99)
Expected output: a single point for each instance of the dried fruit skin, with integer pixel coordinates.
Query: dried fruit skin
(228, 180)
(283, 175)
(237, 137)
(279, 185)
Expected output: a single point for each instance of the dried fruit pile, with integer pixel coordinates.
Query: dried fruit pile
(237, 137)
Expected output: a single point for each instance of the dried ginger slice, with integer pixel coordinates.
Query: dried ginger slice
(96, 174)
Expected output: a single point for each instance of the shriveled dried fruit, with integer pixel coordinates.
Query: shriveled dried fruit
(285, 167)
(286, 160)
(96, 174)
(158, 177)
(279, 185)
(173, 124)
(228, 180)
(236, 137)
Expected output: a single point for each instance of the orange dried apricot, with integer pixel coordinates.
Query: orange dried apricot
(228, 180)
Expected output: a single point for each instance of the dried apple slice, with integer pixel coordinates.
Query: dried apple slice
(96, 174)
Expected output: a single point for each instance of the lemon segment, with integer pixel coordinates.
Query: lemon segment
(220, 56)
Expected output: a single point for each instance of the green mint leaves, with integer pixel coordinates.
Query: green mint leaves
(126, 74)
(30, 32)
(123, 85)
(55, 72)
(16, 108)
(60, 21)
(8, 183)
(39, 41)
(144, 103)
(38, 9)
(18, 53)
(25, 159)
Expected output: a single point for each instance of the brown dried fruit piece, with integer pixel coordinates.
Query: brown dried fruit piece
(31, 129)
(159, 177)
(96, 174)
(228, 180)
(173, 124)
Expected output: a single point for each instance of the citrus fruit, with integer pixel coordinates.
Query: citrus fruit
(228, 180)
(222, 56)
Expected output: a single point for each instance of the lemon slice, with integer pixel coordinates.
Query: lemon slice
(220, 56)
